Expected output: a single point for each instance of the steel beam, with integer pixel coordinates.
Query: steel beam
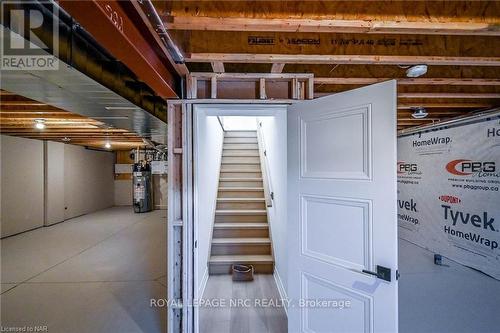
(120, 29)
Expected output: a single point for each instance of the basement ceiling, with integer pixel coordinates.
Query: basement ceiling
(18, 116)
(349, 44)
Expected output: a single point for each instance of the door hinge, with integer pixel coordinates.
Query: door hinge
(382, 273)
(271, 195)
(397, 274)
(265, 153)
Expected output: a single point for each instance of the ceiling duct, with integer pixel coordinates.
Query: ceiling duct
(79, 50)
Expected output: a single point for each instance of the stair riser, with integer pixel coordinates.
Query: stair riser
(241, 184)
(235, 249)
(219, 269)
(241, 232)
(241, 205)
(240, 218)
(240, 175)
(242, 146)
(240, 194)
(247, 134)
(240, 167)
(243, 152)
(240, 140)
(240, 159)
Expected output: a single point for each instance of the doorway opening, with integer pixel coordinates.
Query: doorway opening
(239, 217)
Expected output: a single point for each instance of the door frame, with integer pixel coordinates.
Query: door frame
(181, 228)
(214, 110)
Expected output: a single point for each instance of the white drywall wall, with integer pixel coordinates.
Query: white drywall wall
(54, 182)
(123, 192)
(208, 142)
(274, 134)
(49, 182)
(21, 184)
(160, 190)
(88, 180)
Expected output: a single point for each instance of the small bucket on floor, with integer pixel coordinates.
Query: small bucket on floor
(242, 272)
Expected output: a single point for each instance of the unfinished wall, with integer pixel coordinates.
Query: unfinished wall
(208, 152)
(21, 184)
(88, 180)
(274, 134)
(43, 183)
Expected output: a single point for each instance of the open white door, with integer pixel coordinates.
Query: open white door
(342, 212)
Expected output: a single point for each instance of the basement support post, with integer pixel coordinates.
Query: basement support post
(174, 222)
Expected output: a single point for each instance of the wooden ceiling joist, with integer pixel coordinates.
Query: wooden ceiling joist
(19, 114)
(331, 26)
(343, 59)
(472, 105)
(448, 95)
(409, 81)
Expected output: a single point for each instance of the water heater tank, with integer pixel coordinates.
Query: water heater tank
(143, 188)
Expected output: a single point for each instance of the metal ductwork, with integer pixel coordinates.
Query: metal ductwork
(79, 50)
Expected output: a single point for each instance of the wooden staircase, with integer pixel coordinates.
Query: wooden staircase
(241, 230)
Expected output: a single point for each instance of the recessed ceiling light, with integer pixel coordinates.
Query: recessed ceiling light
(416, 71)
(40, 124)
(419, 112)
(107, 145)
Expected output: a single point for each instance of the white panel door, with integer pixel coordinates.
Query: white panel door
(342, 212)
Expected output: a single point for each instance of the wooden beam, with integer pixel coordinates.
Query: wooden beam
(448, 95)
(262, 88)
(432, 95)
(407, 106)
(408, 81)
(218, 67)
(213, 87)
(335, 26)
(343, 59)
(277, 67)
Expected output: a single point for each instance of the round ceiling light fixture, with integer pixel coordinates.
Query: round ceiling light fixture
(107, 145)
(65, 139)
(416, 70)
(40, 124)
(419, 112)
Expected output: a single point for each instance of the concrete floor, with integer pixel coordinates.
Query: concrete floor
(442, 299)
(98, 272)
(94, 273)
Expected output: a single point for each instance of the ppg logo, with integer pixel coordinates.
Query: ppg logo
(30, 35)
(467, 167)
(404, 167)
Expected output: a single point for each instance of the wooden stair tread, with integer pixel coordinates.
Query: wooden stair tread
(245, 240)
(241, 258)
(241, 189)
(240, 212)
(246, 179)
(244, 163)
(241, 225)
(241, 199)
